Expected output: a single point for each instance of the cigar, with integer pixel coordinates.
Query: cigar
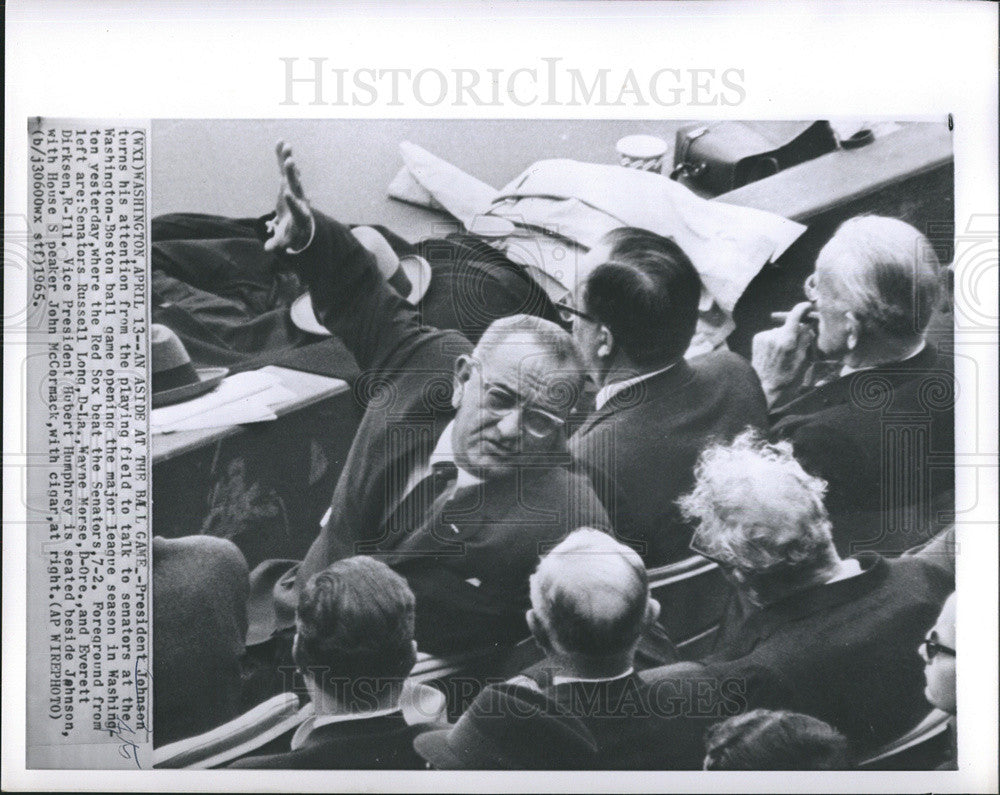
(781, 317)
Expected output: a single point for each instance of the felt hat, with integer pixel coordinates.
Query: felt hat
(410, 275)
(175, 379)
(510, 727)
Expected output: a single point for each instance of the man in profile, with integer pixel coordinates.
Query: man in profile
(633, 319)
(457, 477)
(881, 431)
(354, 646)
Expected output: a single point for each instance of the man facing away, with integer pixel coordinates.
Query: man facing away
(590, 603)
(457, 475)
(633, 319)
(354, 647)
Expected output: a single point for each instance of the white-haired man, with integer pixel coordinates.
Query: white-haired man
(881, 432)
(840, 632)
(590, 603)
(457, 475)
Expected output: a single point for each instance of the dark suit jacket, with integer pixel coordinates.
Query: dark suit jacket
(382, 743)
(848, 650)
(884, 440)
(640, 448)
(493, 533)
(656, 719)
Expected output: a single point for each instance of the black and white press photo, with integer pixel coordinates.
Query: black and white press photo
(552, 445)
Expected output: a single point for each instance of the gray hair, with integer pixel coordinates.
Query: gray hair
(888, 273)
(551, 338)
(591, 594)
(755, 508)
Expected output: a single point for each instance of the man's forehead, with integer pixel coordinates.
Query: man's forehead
(526, 368)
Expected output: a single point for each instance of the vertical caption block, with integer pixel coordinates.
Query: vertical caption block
(89, 696)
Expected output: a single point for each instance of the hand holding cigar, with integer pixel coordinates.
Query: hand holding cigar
(810, 316)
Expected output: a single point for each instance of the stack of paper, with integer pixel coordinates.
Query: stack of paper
(239, 399)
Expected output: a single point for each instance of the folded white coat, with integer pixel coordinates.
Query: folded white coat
(560, 208)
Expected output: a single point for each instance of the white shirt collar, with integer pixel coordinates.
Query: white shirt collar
(311, 721)
(847, 369)
(562, 680)
(608, 391)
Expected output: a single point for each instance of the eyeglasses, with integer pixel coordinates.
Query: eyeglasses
(695, 547)
(932, 647)
(500, 400)
(568, 312)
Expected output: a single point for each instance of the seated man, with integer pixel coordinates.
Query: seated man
(882, 432)
(766, 740)
(840, 632)
(354, 647)
(938, 651)
(590, 604)
(457, 475)
(634, 318)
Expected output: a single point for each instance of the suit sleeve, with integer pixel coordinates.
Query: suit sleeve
(352, 299)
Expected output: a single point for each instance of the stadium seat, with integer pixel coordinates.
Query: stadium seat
(231, 740)
(693, 593)
(923, 747)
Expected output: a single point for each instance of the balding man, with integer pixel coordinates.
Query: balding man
(457, 476)
(590, 603)
(841, 633)
(881, 431)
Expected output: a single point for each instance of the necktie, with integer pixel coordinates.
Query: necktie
(421, 504)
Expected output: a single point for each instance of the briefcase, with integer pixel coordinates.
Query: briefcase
(716, 157)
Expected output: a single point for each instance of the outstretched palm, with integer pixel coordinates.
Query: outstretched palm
(292, 225)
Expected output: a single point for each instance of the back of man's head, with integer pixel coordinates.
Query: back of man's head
(355, 624)
(766, 740)
(757, 510)
(591, 595)
(886, 273)
(647, 294)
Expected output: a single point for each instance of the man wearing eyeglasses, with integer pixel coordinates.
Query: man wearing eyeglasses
(940, 657)
(457, 477)
(633, 319)
(881, 430)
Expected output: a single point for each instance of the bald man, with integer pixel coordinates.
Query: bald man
(590, 603)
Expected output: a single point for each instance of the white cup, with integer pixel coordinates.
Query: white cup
(643, 152)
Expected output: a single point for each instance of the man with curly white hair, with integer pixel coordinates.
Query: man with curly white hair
(839, 632)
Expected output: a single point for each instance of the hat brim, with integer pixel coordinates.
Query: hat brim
(208, 379)
(417, 270)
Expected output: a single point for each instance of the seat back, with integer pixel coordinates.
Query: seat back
(921, 748)
(231, 740)
(693, 594)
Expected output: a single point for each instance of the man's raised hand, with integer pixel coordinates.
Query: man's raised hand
(291, 229)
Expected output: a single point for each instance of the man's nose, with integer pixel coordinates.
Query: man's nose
(509, 425)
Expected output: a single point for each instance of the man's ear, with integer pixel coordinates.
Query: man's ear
(463, 371)
(297, 655)
(538, 631)
(652, 612)
(605, 343)
(853, 330)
